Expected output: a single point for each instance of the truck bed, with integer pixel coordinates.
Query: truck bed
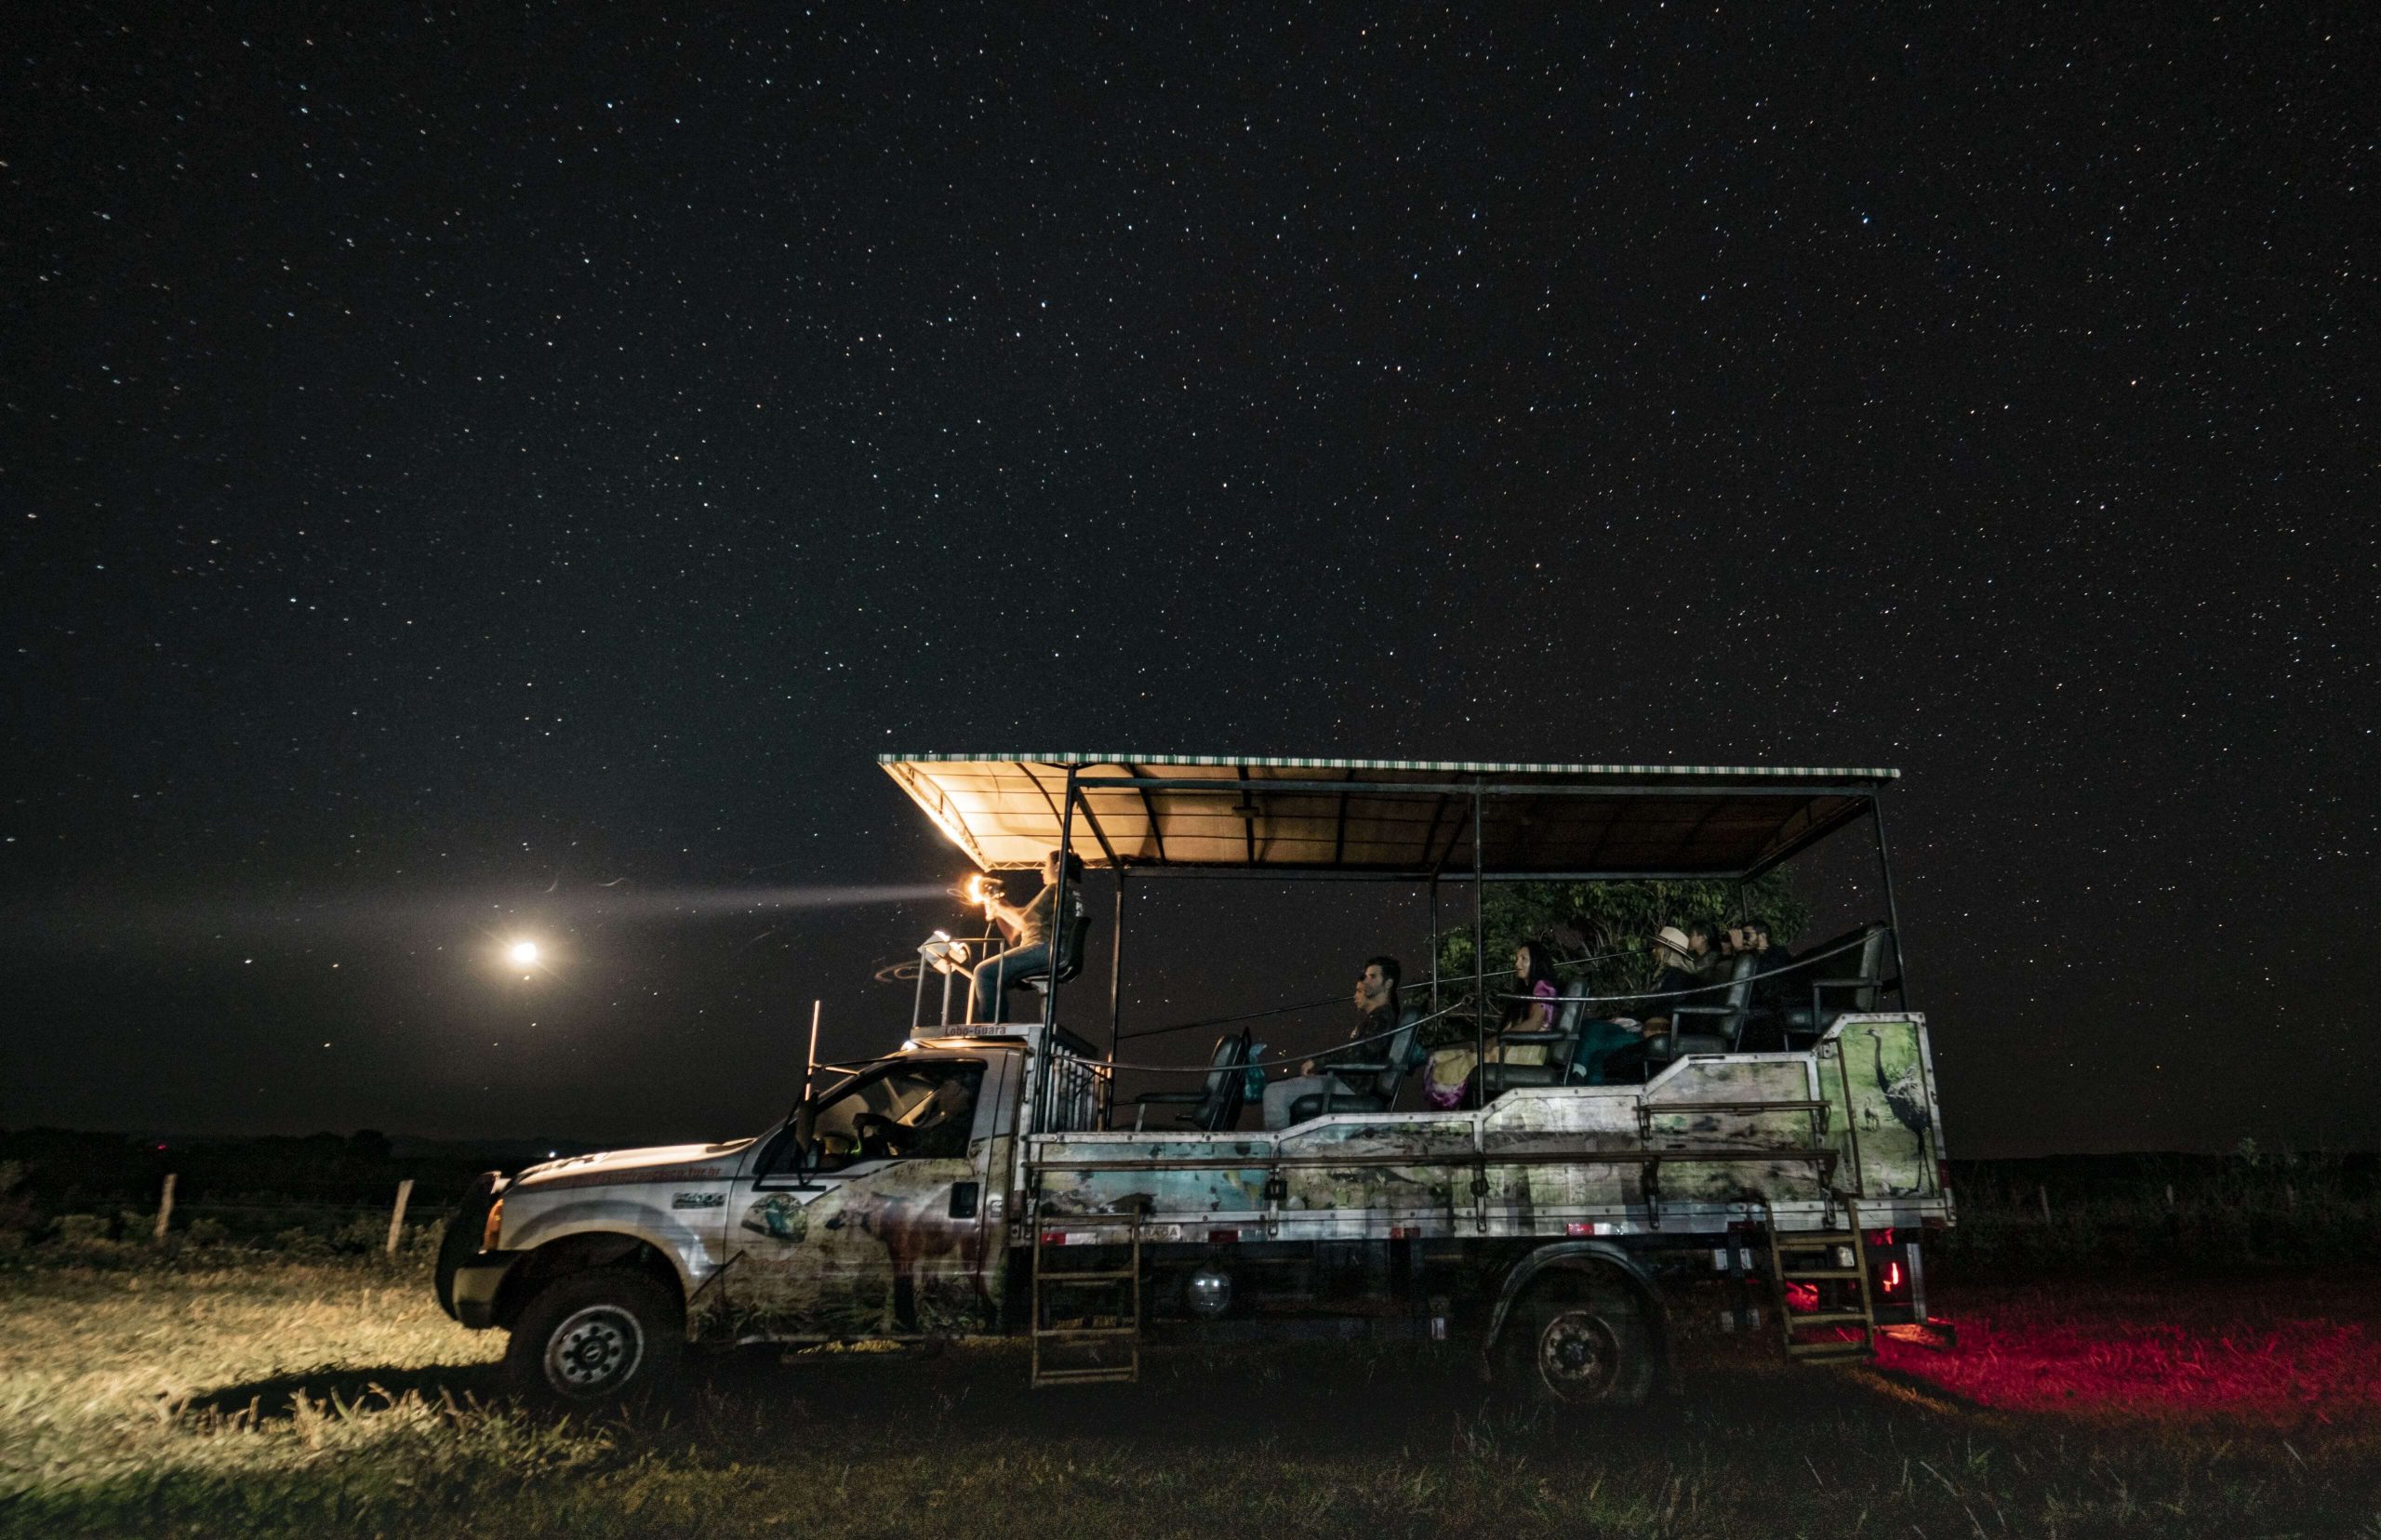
(1712, 1138)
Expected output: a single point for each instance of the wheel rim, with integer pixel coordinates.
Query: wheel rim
(594, 1352)
(1578, 1357)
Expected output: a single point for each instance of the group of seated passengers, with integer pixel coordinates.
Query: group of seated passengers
(1695, 959)
(1694, 963)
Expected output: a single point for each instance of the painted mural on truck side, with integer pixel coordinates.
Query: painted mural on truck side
(1715, 1130)
(876, 1252)
(1874, 1072)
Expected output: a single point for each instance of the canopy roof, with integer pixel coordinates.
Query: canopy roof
(1383, 817)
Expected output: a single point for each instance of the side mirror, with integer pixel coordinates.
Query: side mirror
(796, 1154)
(805, 1142)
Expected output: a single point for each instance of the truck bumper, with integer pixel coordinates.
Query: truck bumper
(477, 1282)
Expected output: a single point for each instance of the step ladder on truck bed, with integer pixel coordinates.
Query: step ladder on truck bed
(1086, 1318)
(1824, 1263)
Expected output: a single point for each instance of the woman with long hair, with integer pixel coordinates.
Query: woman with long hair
(1449, 1080)
(1531, 1006)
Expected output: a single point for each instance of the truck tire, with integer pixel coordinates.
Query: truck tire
(1580, 1344)
(595, 1336)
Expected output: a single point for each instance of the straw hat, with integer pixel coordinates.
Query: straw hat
(1675, 939)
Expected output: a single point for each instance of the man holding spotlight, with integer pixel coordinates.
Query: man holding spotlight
(1032, 932)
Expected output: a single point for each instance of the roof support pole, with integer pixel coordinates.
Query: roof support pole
(1892, 911)
(1479, 955)
(1478, 1020)
(1435, 943)
(1059, 903)
(1115, 993)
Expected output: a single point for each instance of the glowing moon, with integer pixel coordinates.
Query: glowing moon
(523, 953)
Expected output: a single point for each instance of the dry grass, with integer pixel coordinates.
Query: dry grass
(283, 1399)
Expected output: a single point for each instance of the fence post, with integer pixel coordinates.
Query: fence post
(2043, 1192)
(165, 1211)
(397, 1214)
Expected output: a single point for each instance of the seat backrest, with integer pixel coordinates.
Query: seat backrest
(1070, 945)
(1069, 954)
(1735, 1001)
(1395, 1050)
(1872, 970)
(1863, 964)
(1227, 1086)
(1573, 1010)
(1739, 990)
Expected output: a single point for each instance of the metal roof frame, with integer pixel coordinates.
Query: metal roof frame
(1383, 819)
(1738, 822)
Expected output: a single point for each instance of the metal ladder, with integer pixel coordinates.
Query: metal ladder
(1091, 1345)
(1831, 1246)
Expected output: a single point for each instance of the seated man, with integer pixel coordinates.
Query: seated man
(1377, 1012)
(1034, 935)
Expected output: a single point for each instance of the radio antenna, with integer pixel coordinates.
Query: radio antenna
(810, 1065)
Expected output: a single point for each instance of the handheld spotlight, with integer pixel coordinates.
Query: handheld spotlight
(981, 889)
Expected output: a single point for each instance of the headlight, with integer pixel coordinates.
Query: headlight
(495, 1223)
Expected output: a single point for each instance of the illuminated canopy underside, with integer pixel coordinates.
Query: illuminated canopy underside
(1382, 816)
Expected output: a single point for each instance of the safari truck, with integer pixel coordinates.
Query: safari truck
(983, 1180)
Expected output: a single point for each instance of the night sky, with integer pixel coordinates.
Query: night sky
(504, 470)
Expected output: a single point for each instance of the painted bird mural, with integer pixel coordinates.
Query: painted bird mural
(1905, 1094)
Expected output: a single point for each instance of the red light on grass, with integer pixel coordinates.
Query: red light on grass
(2302, 1349)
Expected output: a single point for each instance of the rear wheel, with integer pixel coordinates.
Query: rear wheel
(1580, 1345)
(596, 1336)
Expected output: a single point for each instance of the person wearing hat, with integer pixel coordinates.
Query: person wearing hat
(1675, 957)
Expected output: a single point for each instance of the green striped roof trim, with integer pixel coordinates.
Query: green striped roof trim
(1465, 767)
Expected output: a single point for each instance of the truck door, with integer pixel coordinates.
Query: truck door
(883, 1234)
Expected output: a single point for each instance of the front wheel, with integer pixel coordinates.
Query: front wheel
(1585, 1347)
(596, 1336)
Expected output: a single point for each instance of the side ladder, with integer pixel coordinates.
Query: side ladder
(1080, 1336)
(1815, 1260)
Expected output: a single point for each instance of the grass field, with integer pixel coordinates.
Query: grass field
(278, 1398)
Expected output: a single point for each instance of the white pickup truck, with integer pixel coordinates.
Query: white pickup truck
(981, 1181)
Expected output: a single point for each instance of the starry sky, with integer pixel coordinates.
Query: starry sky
(477, 471)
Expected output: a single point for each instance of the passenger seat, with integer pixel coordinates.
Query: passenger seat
(1371, 1084)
